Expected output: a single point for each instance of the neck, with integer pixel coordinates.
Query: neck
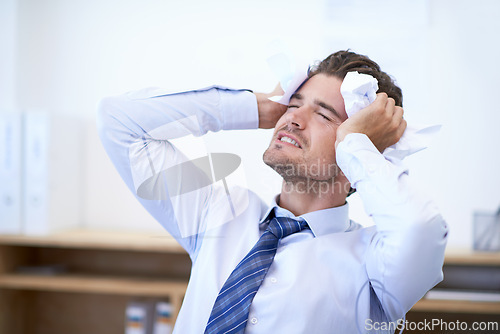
(307, 195)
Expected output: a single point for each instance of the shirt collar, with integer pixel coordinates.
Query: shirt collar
(321, 222)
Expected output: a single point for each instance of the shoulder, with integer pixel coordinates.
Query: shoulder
(227, 204)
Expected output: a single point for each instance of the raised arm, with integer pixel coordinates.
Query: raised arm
(135, 129)
(405, 257)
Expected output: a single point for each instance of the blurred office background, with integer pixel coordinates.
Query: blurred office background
(64, 56)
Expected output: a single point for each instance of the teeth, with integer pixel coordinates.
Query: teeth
(289, 140)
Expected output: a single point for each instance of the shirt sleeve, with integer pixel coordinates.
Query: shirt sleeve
(136, 129)
(405, 257)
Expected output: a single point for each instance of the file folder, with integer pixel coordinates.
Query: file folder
(10, 172)
(163, 322)
(137, 318)
(52, 173)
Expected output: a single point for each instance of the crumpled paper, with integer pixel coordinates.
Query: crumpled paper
(290, 73)
(360, 90)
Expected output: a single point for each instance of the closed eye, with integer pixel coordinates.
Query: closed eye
(324, 116)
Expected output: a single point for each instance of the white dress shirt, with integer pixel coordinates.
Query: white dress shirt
(337, 277)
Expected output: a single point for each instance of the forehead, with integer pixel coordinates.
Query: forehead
(325, 88)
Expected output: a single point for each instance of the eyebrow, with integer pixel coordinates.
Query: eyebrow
(328, 107)
(319, 103)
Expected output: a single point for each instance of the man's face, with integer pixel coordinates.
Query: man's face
(303, 143)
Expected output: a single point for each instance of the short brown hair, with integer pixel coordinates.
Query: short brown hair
(338, 64)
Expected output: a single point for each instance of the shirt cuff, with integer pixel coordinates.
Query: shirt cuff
(357, 157)
(359, 160)
(239, 110)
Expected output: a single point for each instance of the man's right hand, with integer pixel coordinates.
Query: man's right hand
(382, 121)
(269, 112)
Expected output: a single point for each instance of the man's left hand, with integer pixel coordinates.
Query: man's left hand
(382, 121)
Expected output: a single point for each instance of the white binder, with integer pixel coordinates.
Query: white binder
(52, 173)
(10, 173)
(138, 318)
(163, 321)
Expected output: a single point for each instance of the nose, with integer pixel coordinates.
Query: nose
(297, 118)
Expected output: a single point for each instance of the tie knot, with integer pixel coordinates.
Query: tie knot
(283, 226)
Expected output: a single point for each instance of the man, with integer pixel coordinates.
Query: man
(299, 265)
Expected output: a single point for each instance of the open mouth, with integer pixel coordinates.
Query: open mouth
(285, 138)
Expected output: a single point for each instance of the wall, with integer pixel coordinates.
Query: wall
(72, 53)
(463, 83)
(8, 41)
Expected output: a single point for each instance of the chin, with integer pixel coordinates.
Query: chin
(267, 156)
(283, 165)
(274, 160)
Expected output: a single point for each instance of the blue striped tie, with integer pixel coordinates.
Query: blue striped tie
(231, 308)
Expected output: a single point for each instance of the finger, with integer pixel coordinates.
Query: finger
(401, 128)
(382, 95)
(390, 106)
(398, 113)
(381, 99)
(396, 120)
(377, 107)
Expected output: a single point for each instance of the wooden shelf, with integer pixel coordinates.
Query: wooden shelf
(81, 281)
(453, 306)
(94, 284)
(467, 259)
(107, 269)
(106, 240)
(472, 258)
